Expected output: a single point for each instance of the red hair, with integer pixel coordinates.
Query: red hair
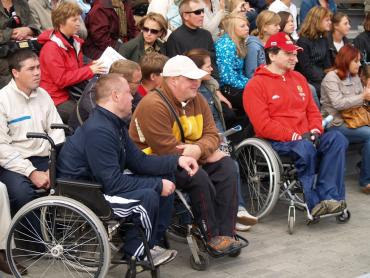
(345, 56)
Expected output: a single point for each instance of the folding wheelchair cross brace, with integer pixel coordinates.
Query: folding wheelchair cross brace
(266, 178)
(71, 232)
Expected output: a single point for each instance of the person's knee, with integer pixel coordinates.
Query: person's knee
(149, 197)
(305, 149)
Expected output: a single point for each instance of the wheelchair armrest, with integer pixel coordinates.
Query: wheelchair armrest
(88, 193)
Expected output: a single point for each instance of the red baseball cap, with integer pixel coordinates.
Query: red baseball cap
(283, 41)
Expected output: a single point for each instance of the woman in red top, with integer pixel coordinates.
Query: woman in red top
(61, 58)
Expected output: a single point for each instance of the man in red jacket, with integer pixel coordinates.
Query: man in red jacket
(281, 109)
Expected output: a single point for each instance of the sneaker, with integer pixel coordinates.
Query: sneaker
(242, 228)
(161, 255)
(333, 206)
(236, 243)
(366, 189)
(243, 217)
(221, 244)
(319, 209)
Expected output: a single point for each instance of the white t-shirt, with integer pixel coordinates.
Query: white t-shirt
(278, 6)
(338, 45)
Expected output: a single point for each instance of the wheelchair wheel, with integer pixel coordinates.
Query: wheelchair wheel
(260, 175)
(344, 217)
(235, 253)
(203, 264)
(56, 236)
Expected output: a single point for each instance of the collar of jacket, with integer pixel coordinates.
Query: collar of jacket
(118, 122)
(23, 94)
(58, 38)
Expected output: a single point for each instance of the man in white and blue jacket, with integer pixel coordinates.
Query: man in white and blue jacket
(102, 151)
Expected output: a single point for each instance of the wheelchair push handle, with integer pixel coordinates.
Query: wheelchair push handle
(67, 129)
(231, 131)
(43, 136)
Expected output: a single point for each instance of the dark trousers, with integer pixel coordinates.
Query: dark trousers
(20, 188)
(328, 161)
(66, 109)
(213, 195)
(147, 209)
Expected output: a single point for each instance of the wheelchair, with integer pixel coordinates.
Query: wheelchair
(182, 228)
(71, 232)
(267, 178)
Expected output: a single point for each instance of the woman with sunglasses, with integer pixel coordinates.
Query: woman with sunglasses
(153, 28)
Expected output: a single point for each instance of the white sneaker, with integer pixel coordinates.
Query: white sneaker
(161, 255)
(242, 228)
(243, 217)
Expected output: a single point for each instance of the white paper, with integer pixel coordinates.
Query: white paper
(109, 56)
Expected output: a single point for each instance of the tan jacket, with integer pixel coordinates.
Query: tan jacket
(154, 129)
(337, 95)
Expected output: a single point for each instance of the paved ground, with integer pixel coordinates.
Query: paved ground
(326, 249)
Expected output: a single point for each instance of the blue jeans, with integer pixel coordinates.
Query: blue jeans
(359, 135)
(327, 160)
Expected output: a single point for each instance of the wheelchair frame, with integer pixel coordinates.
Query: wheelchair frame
(267, 178)
(76, 223)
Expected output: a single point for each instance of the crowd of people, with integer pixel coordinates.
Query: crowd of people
(191, 70)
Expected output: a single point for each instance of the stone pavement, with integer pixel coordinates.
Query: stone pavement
(326, 249)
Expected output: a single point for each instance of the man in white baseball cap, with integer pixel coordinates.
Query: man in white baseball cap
(176, 119)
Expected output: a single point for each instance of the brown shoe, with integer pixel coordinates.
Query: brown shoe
(4, 267)
(366, 189)
(221, 244)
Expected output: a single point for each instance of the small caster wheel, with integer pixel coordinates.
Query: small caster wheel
(344, 217)
(291, 219)
(235, 253)
(156, 273)
(203, 264)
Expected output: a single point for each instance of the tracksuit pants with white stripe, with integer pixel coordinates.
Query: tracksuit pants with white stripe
(146, 208)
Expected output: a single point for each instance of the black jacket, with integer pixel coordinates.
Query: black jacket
(362, 42)
(101, 150)
(332, 49)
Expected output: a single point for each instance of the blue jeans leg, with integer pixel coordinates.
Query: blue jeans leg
(359, 135)
(331, 155)
(304, 155)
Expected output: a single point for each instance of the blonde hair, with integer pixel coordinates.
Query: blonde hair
(228, 25)
(265, 18)
(62, 12)
(311, 26)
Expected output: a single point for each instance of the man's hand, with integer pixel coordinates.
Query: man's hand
(191, 150)
(223, 99)
(216, 156)
(21, 33)
(313, 137)
(189, 164)
(40, 179)
(168, 188)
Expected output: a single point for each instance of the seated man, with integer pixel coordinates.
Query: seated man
(25, 107)
(130, 70)
(192, 131)
(101, 150)
(280, 106)
(4, 225)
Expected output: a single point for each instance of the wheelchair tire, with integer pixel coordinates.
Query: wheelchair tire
(344, 217)
(235, 253)
(260, 175)
(204, 261)
(76, 241)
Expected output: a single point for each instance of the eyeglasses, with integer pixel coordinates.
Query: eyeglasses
(196, 12)
(151, 31)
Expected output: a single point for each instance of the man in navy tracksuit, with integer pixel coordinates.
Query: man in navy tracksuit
(101, 150)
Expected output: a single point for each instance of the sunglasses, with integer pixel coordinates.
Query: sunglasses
(196, 12)
(151, 31)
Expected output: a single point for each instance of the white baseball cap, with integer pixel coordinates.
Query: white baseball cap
(181, 65)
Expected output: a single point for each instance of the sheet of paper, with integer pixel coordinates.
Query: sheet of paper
(109, 56)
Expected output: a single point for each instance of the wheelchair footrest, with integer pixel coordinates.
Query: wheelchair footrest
(244, 243)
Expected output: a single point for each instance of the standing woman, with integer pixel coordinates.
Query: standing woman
(61, 58)
(268, 24)
(342, 89)
(315, 57)
(153, 28)
(337, 37)
(230, 54)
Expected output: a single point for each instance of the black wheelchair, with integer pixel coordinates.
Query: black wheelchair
(267, 177)
(76, 233)
(182, 228)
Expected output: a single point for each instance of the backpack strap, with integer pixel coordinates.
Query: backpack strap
(172, 109)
